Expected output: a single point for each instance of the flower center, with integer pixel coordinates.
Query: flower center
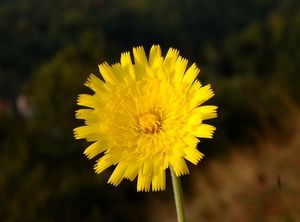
(149, 123)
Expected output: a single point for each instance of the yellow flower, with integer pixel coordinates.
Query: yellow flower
(145, 116)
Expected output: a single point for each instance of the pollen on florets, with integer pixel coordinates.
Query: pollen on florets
(149, 123)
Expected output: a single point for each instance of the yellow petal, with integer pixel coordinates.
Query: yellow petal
(103, 163)
(107, 73)
(88, 101)
(144, 182)
(202, 113)
(201, 95)
(83, 113)
(127, 66)
(96, 84)
(193, 155)
(179, 166)
(140, 56)
(155, 55)
(170, 59)
(132, 171)
(84, 131)
(180, 67)
(126, 59)
(95, 149)
(159, 181)
(204, 131)
(191, 74)
(118, 174)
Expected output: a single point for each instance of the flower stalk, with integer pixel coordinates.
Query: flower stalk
(178, 195)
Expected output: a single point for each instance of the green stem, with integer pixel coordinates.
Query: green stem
(178, 196)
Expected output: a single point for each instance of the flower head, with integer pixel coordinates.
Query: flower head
(145, 116)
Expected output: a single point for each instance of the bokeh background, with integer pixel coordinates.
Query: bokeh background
(248, 50)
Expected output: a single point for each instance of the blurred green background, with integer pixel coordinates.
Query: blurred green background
(248, 50)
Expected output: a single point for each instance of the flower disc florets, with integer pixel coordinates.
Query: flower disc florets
(145, 116)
